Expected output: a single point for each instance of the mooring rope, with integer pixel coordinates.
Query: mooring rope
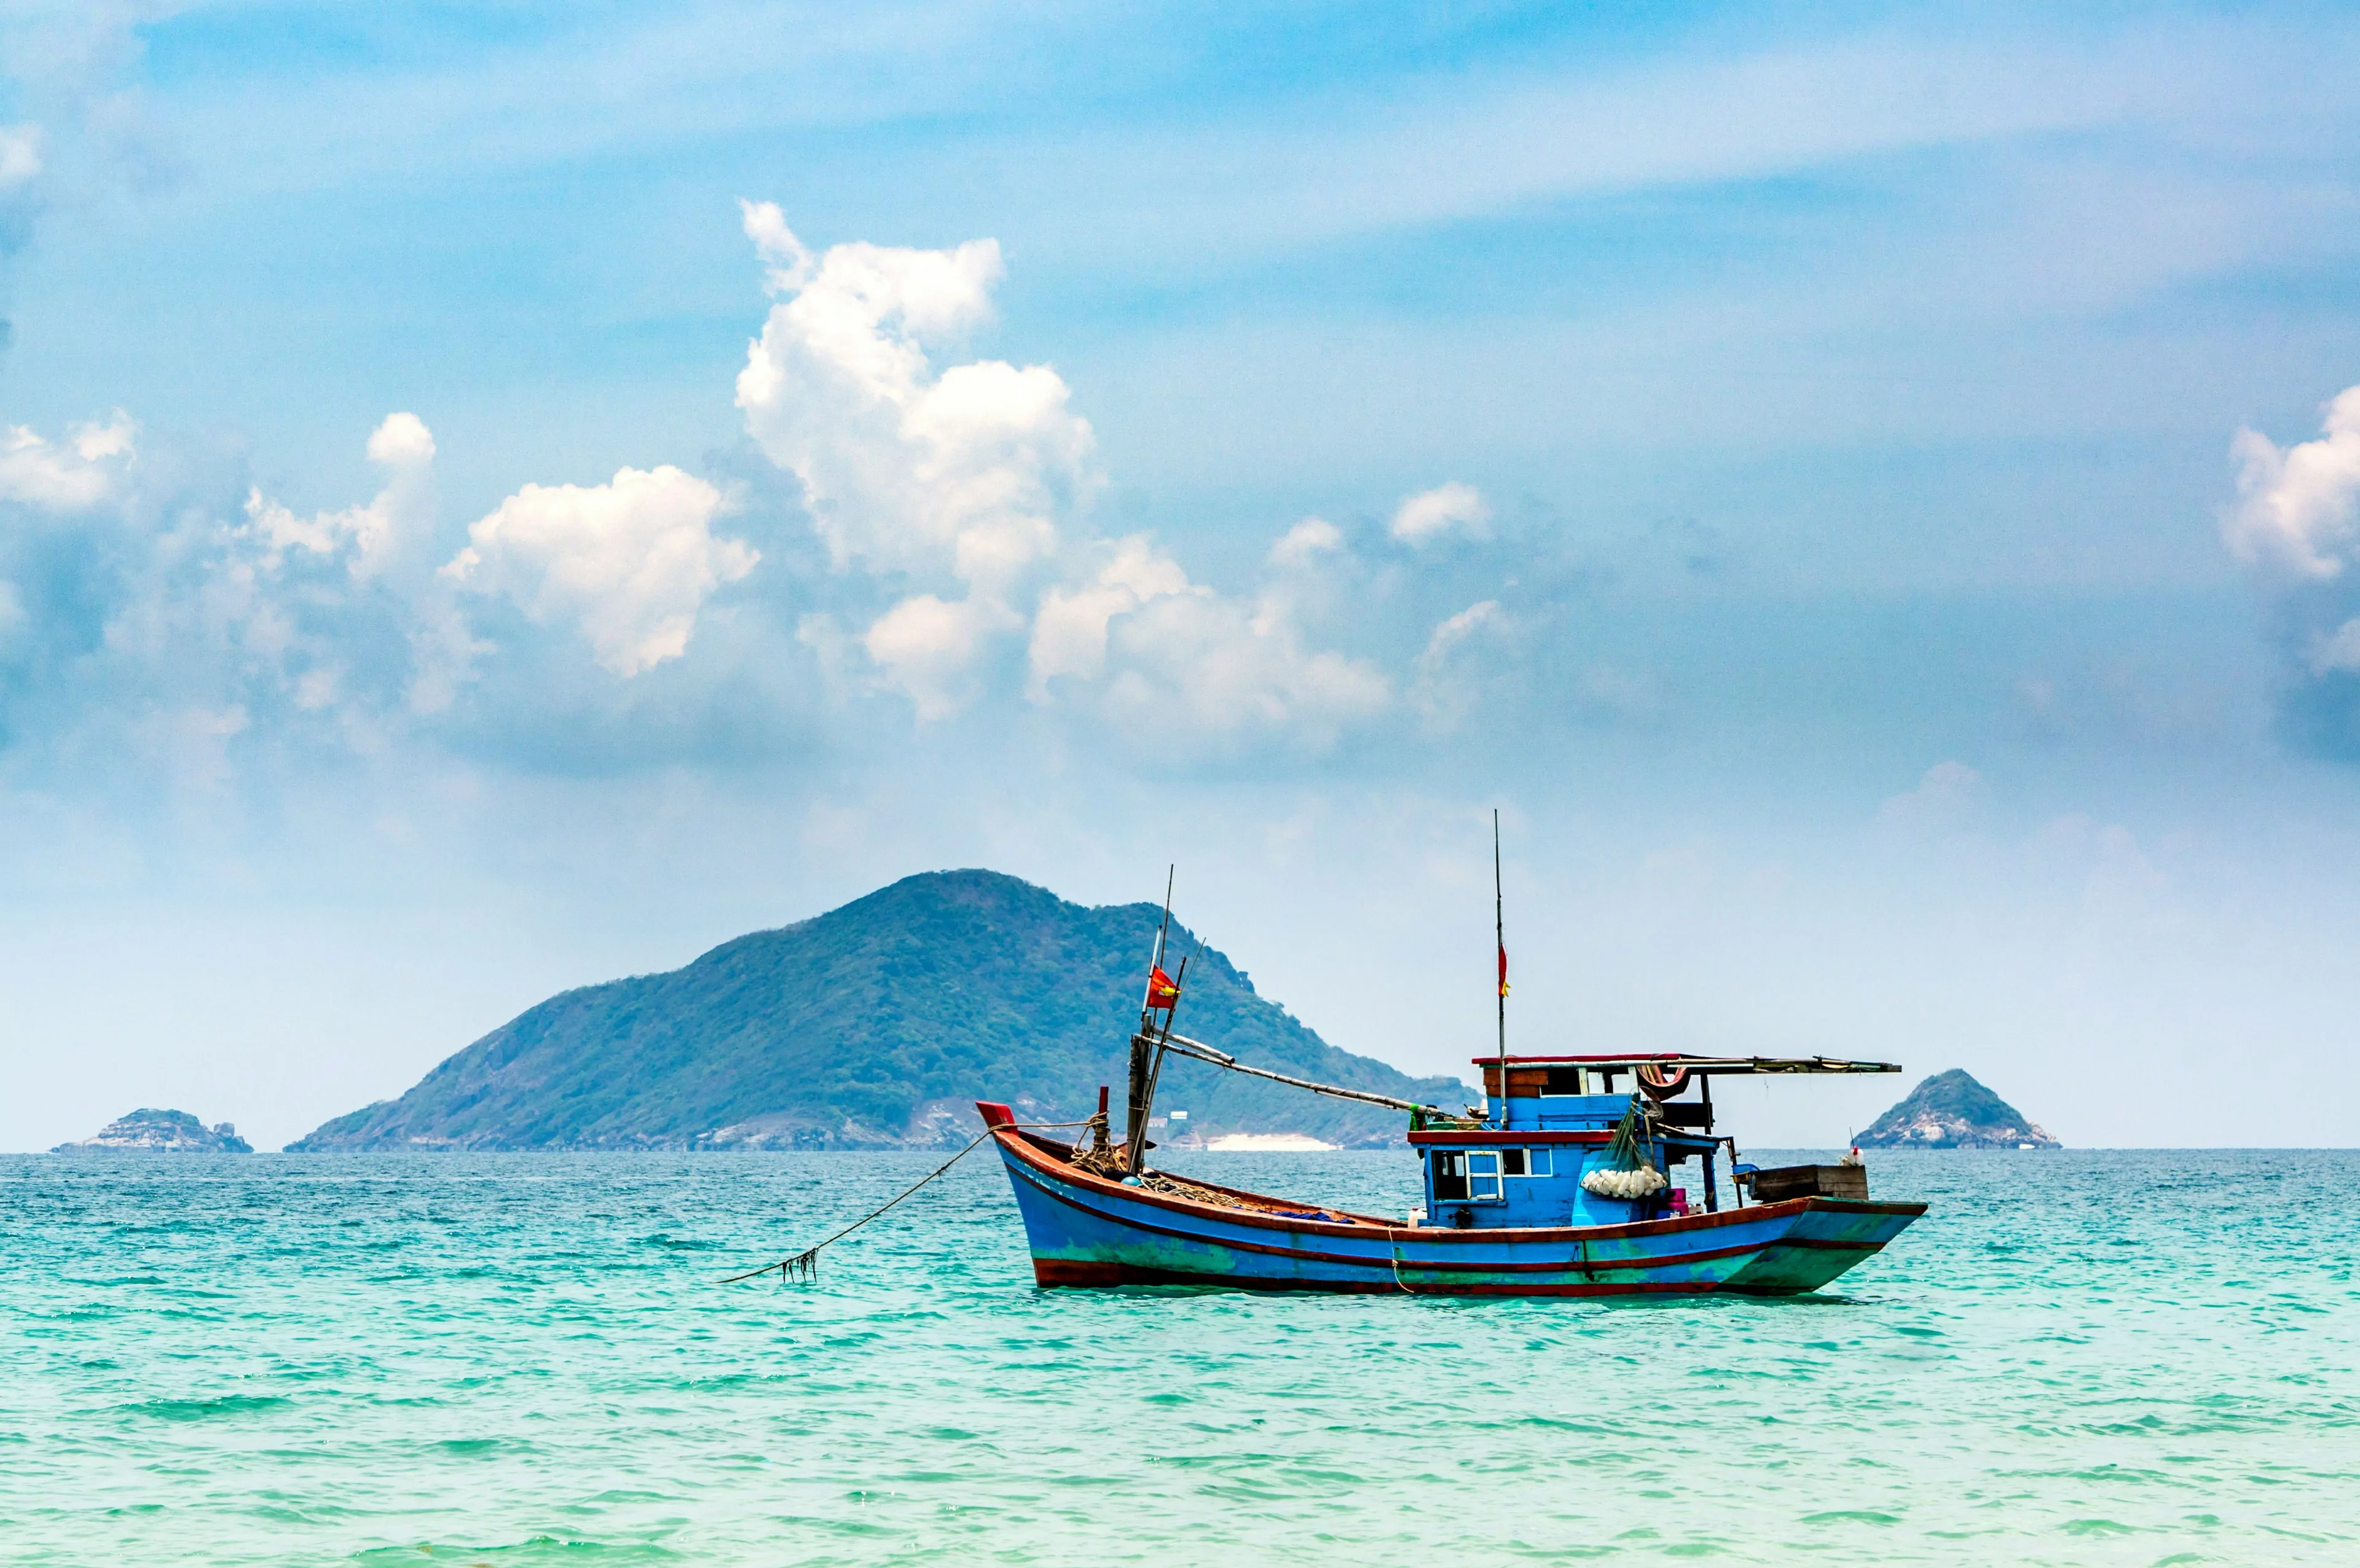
(805, 1264)
(1392, 1248)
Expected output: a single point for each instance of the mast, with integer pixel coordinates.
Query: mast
(1145, 1057)
(1499, 935)
(1155, 959)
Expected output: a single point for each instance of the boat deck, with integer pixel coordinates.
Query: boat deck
(1209, 1193)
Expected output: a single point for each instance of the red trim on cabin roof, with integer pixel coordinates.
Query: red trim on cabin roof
(1618, 1056)
(1469, 1136)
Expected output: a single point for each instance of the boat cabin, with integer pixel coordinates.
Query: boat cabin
(1521, 1163)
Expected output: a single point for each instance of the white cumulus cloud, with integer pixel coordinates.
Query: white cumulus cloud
(392, 529)
(631, 562)
(85, 471)
(964, 476)
(966, 471)
(1070, 631)
(1305, 542)
(928, 647)
(1430, 514)
(1226, 668)
(2294, 505)
(1160, 655)
(401, 442)
(975, 478)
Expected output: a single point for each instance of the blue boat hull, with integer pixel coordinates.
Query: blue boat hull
(1087, 1230)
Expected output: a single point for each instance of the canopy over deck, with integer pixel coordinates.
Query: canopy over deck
(1703, 1066)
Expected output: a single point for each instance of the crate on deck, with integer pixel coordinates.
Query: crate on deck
(1807, 1181)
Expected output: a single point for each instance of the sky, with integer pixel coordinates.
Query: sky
(498, 498)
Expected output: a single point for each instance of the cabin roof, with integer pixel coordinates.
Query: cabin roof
(1703, 1065)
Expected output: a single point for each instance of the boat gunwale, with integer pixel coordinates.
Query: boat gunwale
(1580, 1262)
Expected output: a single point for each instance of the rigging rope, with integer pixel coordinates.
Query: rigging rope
(805, 1264)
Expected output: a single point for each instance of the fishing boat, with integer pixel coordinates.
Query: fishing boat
(1513, 1204)
(1560, 1184)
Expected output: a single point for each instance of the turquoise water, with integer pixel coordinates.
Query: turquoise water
(2076, 1358)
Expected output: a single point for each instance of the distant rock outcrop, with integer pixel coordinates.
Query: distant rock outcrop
(151, 1131)
(1950, 1110)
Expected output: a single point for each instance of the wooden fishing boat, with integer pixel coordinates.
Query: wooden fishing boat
(1557, 1186)
(1506, 1208)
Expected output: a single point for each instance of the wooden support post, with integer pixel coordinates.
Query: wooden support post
(1142, 1095)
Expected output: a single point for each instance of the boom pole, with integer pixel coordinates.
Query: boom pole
(1181, 1045)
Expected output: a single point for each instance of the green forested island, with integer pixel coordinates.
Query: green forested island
(876, 1026)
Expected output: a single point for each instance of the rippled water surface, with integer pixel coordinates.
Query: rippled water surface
(2077, 1357)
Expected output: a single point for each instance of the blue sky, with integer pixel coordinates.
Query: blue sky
(500, 497)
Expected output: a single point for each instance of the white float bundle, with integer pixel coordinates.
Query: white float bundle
(1629, 1185)
(1627, 1173)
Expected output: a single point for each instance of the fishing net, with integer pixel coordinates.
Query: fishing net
(1628, 1174)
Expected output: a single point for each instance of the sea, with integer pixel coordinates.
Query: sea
(2076, 1358)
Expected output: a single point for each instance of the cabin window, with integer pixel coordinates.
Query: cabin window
(1483, 1176)
(1524, 1162)
(1562, 1081)
(1449, 1176)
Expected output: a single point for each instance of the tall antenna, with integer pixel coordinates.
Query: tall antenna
(1162, 931)
(1500, 935)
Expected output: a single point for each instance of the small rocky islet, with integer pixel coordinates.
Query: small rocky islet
(1951, 1110)
(152, 1131)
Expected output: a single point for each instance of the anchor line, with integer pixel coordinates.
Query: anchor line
(805, 1264)
(1392, 1251)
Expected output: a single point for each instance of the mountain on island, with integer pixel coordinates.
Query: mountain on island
(1950, 1110)
(878, 1026)
(150, 1131)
